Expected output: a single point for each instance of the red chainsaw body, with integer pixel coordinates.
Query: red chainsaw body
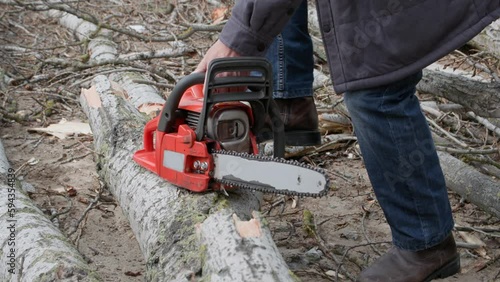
(177, 156)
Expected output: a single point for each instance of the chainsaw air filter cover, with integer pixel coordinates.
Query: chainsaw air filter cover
(230, 126)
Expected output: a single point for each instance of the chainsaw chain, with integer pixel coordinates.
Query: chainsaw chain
(264, 189)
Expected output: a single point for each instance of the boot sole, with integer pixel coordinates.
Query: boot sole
(452, 267)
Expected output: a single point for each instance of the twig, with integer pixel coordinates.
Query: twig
(468, 151)
(366, 211)
(353, 247)
(484, 231)
(286, 214)
(84, 215)
(276, 203)
(327, 252)
(76, 158)
(484, 160)
(479, 66)
(149, 82)
(64, 211)
(77, 240)
(448, 134)
(315, 272)
(326, 220)
(464, 245)
(485, 122)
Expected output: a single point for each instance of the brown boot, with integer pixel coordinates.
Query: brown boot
(404, 266)
(300, 118)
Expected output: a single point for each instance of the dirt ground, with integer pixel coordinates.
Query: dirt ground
(350, 229)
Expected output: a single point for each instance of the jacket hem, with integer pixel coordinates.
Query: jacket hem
(441, 51)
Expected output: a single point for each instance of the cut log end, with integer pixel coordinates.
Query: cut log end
(246, 229)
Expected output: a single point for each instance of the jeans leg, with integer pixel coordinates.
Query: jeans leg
(291, 56)
(402, 163)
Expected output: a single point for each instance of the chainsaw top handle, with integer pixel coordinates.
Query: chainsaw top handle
(255, 76)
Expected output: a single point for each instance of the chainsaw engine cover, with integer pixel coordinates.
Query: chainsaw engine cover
(229, 124)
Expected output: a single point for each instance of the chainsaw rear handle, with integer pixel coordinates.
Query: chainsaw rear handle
(167, 117)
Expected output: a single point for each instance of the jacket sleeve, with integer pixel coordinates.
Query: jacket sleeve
(254, 24)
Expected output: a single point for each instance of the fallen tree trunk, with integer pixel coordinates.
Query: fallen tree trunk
(476, 187)
(489, 39)
(480, 97)
(183, 236)
(32, 248)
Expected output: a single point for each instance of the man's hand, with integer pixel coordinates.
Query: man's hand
(218, 50)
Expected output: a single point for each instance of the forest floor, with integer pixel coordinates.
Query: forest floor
(350, 228)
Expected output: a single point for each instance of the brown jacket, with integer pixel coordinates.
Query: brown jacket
(369, 43)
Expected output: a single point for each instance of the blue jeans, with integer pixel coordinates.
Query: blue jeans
(402, 163)
(393, 135)
(291, 56)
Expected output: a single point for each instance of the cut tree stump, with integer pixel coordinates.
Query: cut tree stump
(184, 236)
(32, 248)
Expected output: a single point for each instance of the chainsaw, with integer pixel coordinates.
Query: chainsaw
(204, 139)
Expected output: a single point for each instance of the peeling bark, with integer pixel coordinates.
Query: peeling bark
(39, 251)
(165, 218)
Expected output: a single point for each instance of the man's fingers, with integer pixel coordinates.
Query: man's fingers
(218, 50)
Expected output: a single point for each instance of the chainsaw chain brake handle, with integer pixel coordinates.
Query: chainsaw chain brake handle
(260, 94)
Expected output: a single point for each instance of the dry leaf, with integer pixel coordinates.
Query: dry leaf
(71, 191)
(65, 129)
(83, 200)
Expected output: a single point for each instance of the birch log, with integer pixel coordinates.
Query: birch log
(483, 98)
(479, 189)
(183, 236)
(32, 248)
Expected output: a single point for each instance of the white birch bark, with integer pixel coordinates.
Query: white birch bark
(31, 247)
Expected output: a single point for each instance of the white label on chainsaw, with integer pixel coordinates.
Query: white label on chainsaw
(280, 176)
(173, 160)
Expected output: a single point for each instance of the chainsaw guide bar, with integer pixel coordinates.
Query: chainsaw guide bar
(275, 175)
